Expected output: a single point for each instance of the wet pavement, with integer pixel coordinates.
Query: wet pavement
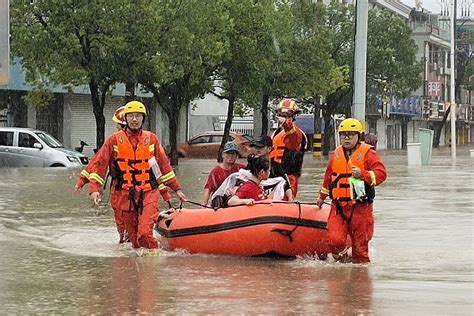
(60, 256)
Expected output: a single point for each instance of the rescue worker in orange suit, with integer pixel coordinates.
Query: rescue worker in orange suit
(140, 164)
(119, 119)
(289, 145)
(353, 171)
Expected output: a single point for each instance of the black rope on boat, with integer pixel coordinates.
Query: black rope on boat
(201, 205)
(258, 202)
(286, 232)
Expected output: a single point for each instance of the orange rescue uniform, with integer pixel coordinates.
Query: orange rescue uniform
(348, 216)
(289, 145)
(84, 179)
(135, 190)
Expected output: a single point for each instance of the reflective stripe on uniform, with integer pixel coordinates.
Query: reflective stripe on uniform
(94, 176)
(373, 180)
(170, 175)
(324, 191)
(85, 173)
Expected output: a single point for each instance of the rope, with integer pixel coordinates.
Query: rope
(258, 202)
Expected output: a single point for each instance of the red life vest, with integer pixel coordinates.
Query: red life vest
(342, 171)
(133, 164)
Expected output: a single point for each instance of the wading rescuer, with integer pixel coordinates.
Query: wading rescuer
(289, 145)
(351, 175)
(139, 164)
(119, 119)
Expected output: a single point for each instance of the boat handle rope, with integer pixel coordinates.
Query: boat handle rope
(286, 232)
(258, 202)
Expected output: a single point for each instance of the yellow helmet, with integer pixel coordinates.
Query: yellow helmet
(134, 107)
(350, 125)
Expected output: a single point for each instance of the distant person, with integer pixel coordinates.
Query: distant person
(118, 118)
(371, 139)
(353, 171)
(252, 190)
(141, 163)
(219, 173)
(289, 145)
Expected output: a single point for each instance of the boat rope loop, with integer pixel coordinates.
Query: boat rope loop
(198, 204)
(286, 232)
(259, 202)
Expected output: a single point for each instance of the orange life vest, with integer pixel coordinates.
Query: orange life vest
(135, 171)
(342, 171)
(283, 160)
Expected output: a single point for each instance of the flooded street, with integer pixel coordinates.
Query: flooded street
(60, 256)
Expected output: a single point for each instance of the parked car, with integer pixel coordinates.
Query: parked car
(206, 145)
(26, 147)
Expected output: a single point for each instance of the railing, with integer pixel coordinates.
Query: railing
(243, 125)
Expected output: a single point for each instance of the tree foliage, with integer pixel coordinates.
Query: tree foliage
(247, 52)
(187, 53)
(391, 59)
(71, 43)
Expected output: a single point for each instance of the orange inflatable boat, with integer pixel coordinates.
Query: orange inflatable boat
(267, 228)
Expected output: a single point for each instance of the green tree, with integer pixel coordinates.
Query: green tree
(184, 54)
(391, 58)
(72, 43)
(297, 59)
(239, 73)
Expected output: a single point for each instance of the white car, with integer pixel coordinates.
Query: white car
(26, 147)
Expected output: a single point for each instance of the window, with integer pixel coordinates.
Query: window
(217, 138)
(26, 140)
(6, 138)
(200, 140)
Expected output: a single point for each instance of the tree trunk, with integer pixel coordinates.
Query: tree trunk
(404, 133)
(438, 128)
(328, 133)
(98, 109)
(173, 121)
(129, 92)
(228, 124)
(264, 111)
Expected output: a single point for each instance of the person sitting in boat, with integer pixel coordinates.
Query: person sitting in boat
(262, 146)
(220, 172)
(252, 189)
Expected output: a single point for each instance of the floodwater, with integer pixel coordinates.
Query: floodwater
(60, 256)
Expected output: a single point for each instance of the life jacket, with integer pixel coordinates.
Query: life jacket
(339, 189)
(283, 160)
(132, 170)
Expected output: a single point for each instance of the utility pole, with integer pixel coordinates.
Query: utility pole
(452, 81)
(360, 60)
(4, 42)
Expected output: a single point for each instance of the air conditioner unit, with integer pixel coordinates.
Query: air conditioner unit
(434, 67)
